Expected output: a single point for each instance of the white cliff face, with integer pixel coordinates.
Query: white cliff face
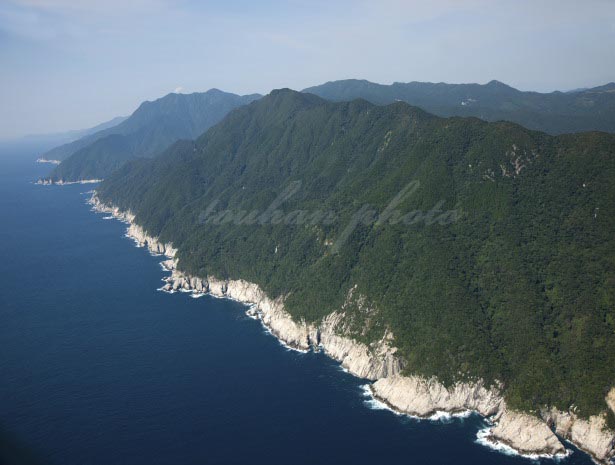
(412, 395)
(422, 397)
(589, 434)
(270, 312)
(610, 400)
(98, 206)
(152, 243)
(371, 362)
(526, 434)
(134, 231)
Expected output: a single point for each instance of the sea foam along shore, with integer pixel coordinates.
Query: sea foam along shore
(45, 160)
(509, 430)
(61, 182)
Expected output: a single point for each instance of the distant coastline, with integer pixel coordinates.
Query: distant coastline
(45, 160)
(61, 182)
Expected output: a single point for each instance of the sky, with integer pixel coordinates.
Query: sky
(71, 64)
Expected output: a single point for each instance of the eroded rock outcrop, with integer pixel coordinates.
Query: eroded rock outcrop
(526, 434)
(590, 434)
(152, 243)
(422, 397)
(378, 360)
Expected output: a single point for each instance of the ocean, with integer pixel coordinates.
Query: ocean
(97, 367)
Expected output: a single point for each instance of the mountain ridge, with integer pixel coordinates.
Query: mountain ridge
(554, 112)
(152, 127)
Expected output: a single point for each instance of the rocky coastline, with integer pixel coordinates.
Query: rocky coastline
(61, 182)
(45, 160)
(532, 435)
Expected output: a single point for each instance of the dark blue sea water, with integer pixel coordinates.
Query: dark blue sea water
(97, 367)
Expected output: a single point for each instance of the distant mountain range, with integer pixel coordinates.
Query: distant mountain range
(554, 113)
(149, 130)
(79, 139)
(43, 143)
(156, 125)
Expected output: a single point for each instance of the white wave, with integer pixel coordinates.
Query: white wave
(484, 438)
(167, 265)
(288, 348)
(46, 160)
(168, 291)
(374, 404)
(138, 244)
(342, 368)
(446, 417)
(438, 417)
(252, 312)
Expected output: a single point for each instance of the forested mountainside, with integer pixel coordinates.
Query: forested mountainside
(555, 112)
(148, 131)
(494, 254)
